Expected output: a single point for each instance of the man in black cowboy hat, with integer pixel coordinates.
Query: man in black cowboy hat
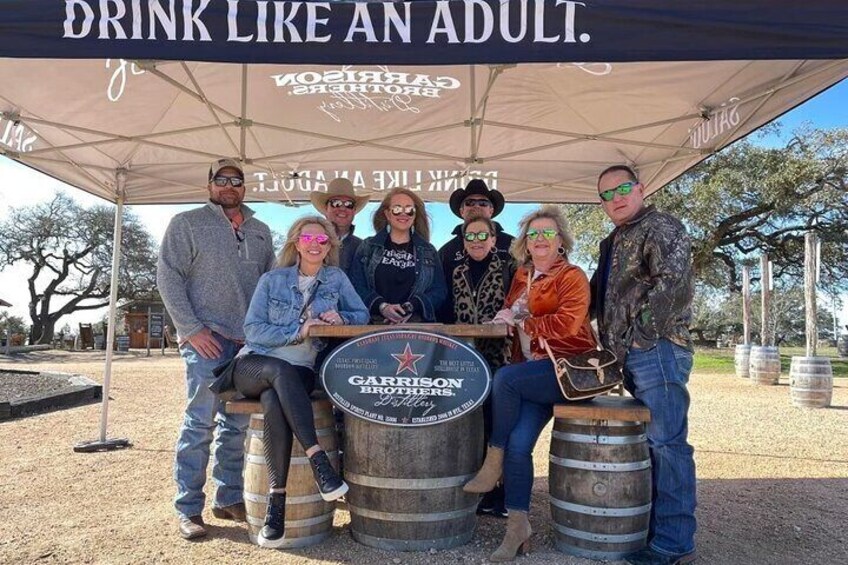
(474, 200)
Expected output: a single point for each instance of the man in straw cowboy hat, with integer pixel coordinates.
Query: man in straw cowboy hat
(340, 204)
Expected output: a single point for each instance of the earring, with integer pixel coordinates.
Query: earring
(561, 250)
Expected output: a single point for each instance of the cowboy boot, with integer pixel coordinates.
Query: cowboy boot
(490, 473)
(517, 537)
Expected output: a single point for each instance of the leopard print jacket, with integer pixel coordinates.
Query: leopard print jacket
(478, 305)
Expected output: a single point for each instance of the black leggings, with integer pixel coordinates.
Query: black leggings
(283, 389)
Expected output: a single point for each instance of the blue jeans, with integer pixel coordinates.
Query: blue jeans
(658, 377)
(204, 412)
(523, 396)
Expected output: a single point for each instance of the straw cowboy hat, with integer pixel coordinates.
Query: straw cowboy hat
(478, 187)
(338, 187)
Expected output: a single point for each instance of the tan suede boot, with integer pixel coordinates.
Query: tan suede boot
(489, 474)
(517, 538)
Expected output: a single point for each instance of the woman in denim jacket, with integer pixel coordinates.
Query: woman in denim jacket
(276, 365)
(397, 272)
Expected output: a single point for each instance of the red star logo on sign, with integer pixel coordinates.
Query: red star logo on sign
(407, 361)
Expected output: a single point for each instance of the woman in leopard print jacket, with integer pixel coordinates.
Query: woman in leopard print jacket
(479, 285)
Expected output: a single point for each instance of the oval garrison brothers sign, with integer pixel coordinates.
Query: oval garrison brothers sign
(406, 378)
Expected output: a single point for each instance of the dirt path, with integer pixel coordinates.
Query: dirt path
(772, 481)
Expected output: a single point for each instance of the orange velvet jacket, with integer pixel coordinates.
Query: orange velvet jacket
(559, 311)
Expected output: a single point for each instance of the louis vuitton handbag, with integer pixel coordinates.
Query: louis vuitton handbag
(586, 375)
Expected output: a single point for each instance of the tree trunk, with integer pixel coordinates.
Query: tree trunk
(42, 331)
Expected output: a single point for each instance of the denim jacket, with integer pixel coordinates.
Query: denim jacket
(273, 318)
(428, 292)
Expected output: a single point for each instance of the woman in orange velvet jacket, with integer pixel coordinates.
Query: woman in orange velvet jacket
(549, 299)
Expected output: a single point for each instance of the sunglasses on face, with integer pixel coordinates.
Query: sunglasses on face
(482, 203)
(399, 209)
(319, 238)
(349, 204)
(235, 182)
(479, 236)
(623, 189)
(547, 233)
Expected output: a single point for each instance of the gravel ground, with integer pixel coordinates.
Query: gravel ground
(772, 483)
(15, 386)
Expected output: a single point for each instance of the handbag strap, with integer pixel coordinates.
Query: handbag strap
(306, 304)
(544, 343)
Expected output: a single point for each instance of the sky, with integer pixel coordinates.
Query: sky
(23, 187)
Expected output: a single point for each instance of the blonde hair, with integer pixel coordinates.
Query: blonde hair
(289, 256)
(518, 249)
(422, 220)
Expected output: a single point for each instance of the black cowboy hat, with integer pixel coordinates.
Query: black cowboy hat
(476, 186)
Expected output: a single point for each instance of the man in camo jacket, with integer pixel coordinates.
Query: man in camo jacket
(641, 298)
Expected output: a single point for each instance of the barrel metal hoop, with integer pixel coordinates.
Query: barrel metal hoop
(603, 538)
(601, 423)
(306, 522)
(597, 511)
(257, 459)
(295, 543)
(412, 517)
(412, 545)
(260, 434)
(600, 439)
(407, 484)
(263, 498)
(593, 466)
(565, 547)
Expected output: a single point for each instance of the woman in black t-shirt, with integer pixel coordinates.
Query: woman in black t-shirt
(396, 272)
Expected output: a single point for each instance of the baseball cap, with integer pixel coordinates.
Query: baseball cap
(216, 167)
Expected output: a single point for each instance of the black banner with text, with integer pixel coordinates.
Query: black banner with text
(425, 31)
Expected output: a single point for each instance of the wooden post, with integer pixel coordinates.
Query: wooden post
(810, 272)
(764, 317)
(746, 304)
(148, 331)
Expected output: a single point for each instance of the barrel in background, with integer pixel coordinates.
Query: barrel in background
(742, 360)
(406, 483)
(309, 519)
(842, 346)
(600, 487)
(811, 382)
(764, 368)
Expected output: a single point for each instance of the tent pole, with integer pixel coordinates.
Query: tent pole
(103, 444)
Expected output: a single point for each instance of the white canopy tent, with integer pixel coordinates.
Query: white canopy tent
(536, 132)
(658, 85)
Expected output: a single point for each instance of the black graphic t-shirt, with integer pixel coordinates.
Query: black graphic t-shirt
(395, 274)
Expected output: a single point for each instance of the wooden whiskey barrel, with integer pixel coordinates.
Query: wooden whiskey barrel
(742, 360)
(406, 483)
(764, 368)
(309, 520)
(600, 486)
(811, 382)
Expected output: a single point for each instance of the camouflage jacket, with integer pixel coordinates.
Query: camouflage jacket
(642, 290)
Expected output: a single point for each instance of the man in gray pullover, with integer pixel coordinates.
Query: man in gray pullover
(209, 263)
